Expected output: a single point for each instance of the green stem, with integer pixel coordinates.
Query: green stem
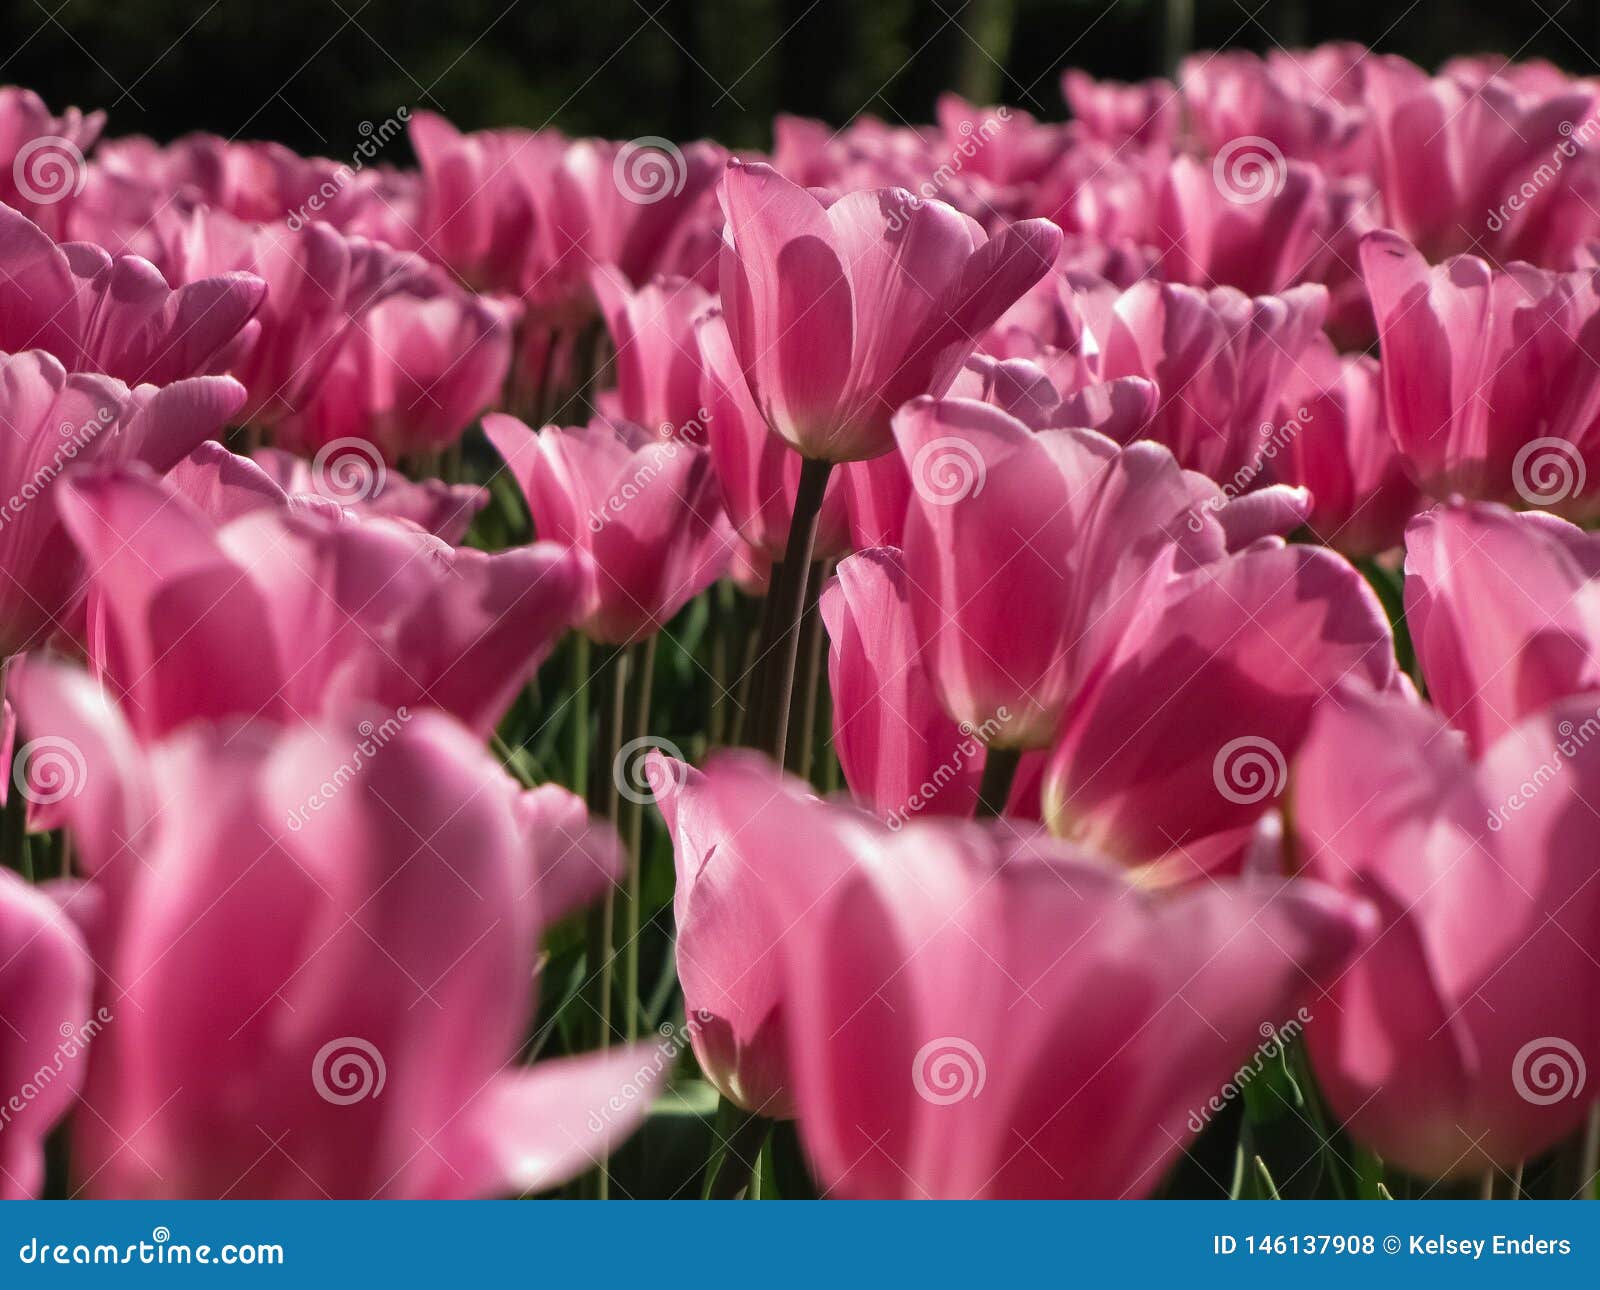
(644, 664)
(733, 1170)
(994, 790)
(787, 595)
(803, 721)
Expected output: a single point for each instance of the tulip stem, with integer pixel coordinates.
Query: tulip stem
(994, 790)
(604, 799)
(786, 599)
(1589, 1160)
(643, 663)
(734, 1168)
(803, 720)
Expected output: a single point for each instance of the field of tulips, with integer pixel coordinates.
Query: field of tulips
(994, 659)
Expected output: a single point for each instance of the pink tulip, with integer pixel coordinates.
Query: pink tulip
(319, 284)
(46, 979)
(412, 374)
(658, 361)
(57, 421)
(1235, 95)
(477, 198)
(1454, 158)
(901, 753)
(645, 510)
(1489, 376)
(840, 313)
(1025, 552)
(1180, 745)
(1461, 1038)
(116, 316)
(1116, 113)
(363, 903)
(1220, 360)
(42, 168)
(445, 510)
(759, 474)
(1504, 611)
(966, 1013)
(1257, 224)
(291, 612)
(1333, 438)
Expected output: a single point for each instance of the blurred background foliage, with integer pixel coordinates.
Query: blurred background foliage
(308, 72)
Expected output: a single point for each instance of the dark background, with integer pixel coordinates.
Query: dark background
(308, 72)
